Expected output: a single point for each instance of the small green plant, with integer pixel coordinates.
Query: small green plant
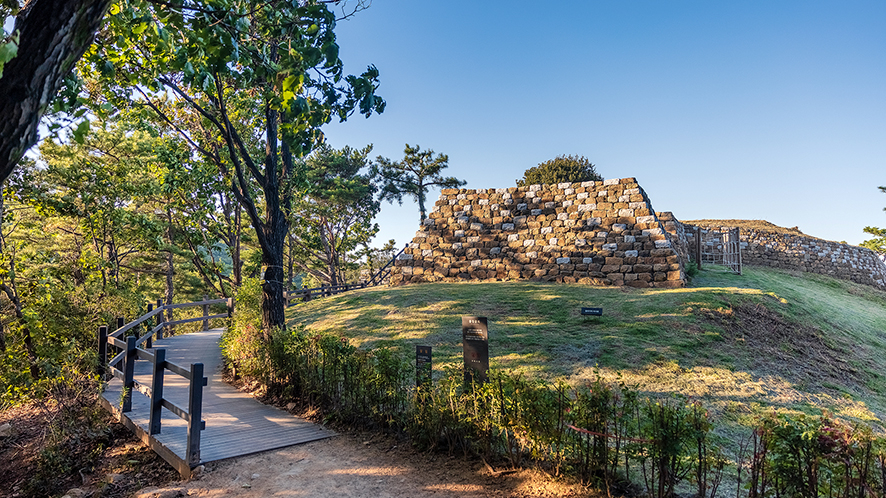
(690, 269)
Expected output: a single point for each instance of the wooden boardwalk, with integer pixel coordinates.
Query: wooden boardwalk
(236, 424)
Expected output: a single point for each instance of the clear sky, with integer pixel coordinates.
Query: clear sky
(751, 110)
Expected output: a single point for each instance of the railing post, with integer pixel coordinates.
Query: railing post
(157, 390)
(160, 320)
(230, 304)
(102, 350)
(698, 247)
(120, 324)
(205, 313)
(195, 414)
(150, 342)
(738, 247)
(128, 373)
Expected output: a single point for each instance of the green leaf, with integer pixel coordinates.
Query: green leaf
(293, 82)
(80, 132)
(140, 28)
(330, 50)
(8, 51)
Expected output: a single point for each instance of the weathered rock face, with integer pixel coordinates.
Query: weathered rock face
(603, 233)
(796, 252)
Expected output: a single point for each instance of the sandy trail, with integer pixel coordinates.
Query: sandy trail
(346, 466)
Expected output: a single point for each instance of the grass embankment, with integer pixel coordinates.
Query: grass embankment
(760, 225)
(745, 345)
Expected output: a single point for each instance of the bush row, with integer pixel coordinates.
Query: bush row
(603, 433)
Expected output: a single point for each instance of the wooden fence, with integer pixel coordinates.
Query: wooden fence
(133, 347)
(330, 290)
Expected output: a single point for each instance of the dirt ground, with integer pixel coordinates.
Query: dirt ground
(360, 466)
(364, 465)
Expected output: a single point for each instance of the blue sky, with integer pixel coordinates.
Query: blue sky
(750, 110)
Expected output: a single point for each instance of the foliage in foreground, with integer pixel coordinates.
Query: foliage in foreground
(76, 432)
(603, 433)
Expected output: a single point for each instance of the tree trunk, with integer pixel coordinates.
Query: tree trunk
(421, 202)
(12, 295)
(329, 252)
(170, 269)
(273, 232)
(290, 266)
(54, 34)
(235, 259)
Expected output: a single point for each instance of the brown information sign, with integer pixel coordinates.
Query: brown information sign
(422, 365)
(475, 342)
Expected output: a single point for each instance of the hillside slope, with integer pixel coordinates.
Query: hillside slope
(743, 344)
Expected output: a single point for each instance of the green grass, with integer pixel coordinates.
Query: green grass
(766, 340)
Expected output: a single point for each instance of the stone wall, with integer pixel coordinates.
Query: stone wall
(677, 233)
(603, 233)
(797, 252)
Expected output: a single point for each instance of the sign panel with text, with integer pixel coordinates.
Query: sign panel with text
(475, 342)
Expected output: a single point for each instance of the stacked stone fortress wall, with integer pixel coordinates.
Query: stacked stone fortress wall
(603, 233)
(792, 251)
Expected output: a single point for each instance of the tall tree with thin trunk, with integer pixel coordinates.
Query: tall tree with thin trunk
(334, 215)
(414, 175)
(247, 85)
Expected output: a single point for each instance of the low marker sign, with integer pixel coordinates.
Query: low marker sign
(422, 365)
(592, 311)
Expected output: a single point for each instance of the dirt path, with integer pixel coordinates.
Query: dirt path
(351, 466)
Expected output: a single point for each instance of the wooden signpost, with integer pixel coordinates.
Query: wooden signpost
(475, 342)
(423, 366)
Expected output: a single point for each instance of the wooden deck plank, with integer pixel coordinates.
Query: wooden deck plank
(236, 424)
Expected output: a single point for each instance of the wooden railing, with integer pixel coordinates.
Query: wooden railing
(327, 290)
(385, 270)
(134, 347)
(330, 290)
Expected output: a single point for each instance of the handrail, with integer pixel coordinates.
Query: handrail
(135, 348)
(389, 263)
(308, 294)
(137, 322)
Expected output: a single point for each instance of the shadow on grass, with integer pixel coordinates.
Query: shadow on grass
(537, 328)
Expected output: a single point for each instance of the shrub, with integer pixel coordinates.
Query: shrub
(600, 432)
(572, 169)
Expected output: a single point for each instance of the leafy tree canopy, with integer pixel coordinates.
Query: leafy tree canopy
(246, 84)
(878, 243)
(334, 215)
(561, 169)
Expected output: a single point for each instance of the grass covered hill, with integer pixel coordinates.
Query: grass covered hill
(745, 345)
(759, 225)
